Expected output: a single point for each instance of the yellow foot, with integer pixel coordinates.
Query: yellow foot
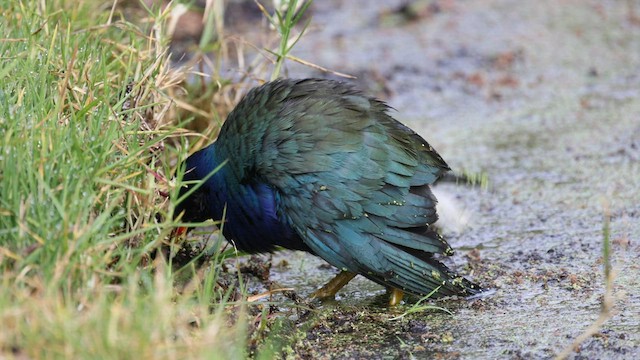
(395, 296)
(334, 285)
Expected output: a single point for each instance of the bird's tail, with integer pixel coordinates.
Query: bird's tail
(419, 273)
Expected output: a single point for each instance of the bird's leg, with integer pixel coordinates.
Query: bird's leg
(395, 296)
(334, 285)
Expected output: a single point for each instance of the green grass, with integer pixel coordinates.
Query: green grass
(284, 21)
(91, 128)
(83, 169)
(419, 307)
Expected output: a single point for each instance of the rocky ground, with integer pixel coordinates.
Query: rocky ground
(544, 98)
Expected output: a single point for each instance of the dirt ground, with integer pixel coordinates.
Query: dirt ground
(544, 98)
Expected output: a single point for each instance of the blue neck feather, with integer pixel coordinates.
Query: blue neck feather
(251, 205)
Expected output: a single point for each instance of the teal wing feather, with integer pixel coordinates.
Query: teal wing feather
(354, 184)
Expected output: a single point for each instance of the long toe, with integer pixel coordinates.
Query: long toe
(329, 290)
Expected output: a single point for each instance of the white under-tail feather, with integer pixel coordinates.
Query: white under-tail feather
(453, 216)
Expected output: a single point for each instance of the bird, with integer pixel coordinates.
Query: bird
(316, 165)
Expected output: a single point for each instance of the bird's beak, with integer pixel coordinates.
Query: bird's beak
(179, 231)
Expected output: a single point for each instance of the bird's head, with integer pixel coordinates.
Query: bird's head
(194, 196)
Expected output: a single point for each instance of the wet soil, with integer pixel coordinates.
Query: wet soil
(544, 98)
